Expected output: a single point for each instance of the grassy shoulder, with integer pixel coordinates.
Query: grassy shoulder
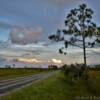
(93, 82)
(57, 87)
(15, 72)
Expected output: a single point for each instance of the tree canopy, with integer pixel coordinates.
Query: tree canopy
(79, 30)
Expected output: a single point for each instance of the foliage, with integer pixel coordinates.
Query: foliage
(52, 88)
(75, 71)
(82, 31)
(93, 81)
(55, 67)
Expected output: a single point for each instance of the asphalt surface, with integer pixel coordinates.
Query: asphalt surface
(9, 85)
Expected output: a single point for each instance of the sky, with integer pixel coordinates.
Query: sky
(26, 24)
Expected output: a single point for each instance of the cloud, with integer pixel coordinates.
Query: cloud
(26, 35)
(56, 61)
(29, 60)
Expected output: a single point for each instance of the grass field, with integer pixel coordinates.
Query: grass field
(59, 87)
(94, 82)
(15, 72)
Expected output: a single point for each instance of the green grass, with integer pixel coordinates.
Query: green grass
(15, 72)
(57, 87)
(94, 81)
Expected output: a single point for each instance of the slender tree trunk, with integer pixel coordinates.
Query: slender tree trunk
(84, 45)
(84, 51)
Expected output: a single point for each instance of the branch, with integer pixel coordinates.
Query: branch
(79, 40)
(75, 45)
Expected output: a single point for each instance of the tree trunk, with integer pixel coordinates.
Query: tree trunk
(84, 51)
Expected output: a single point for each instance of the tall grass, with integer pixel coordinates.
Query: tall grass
(94, 81)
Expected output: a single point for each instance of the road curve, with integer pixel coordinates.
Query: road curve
(10, 85)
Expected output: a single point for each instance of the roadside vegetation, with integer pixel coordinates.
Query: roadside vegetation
(61, 87)
(94, 81)
(91, 77)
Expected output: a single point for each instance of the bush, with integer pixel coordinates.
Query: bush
(76, 71)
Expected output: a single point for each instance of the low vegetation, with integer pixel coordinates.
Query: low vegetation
(91, 76)
(93, 81)
(68, 84)
(61, 87)
(53, 88)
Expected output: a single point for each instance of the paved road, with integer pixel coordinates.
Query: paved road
(10, 85)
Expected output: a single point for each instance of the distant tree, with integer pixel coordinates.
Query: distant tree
(14, 65)
(53, 67)
(7, 66)
(25, 66)
(79, 31)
